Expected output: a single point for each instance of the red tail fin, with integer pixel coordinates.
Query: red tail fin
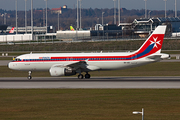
(154, 43)
(12, 30)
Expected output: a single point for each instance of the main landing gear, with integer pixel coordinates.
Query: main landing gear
(87, 76)
(29, 77)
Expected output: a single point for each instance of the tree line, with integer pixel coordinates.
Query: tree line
(90, 17)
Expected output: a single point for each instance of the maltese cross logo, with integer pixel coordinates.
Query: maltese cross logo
(155, 42)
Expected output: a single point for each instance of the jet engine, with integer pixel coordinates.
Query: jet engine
(61, 71)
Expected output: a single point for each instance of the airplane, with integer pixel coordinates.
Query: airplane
(67, 64)
(71, 28)
(12, 30)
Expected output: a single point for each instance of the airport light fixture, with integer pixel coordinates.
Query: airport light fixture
(32, 19)
(145, 8)
(165, 8)
(136, 112)
(77, 14)
(119, 12)
(175, 8)
(5, 18)
(80, 13)
(26, 16)
(58, 21)
(149, 14)
(114, 11)
(97, 20)
(103, 23)
(102, 19)
(16, 19)
(46, 15)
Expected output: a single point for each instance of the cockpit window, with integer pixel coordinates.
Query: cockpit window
(17, 59)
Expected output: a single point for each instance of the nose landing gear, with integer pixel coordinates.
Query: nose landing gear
(29, 77)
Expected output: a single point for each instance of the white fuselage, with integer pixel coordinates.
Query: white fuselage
(95, 61)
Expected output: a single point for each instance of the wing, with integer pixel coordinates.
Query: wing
(78, 65)
(83, 66)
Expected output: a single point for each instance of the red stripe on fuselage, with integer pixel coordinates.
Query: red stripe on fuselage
(158, 37)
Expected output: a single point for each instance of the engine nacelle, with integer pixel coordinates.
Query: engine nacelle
(61, 71)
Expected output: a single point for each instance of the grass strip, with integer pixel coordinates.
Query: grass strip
(88, 46)
(89, 104)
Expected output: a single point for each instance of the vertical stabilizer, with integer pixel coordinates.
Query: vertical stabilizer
(12, 30)
(71, 28)
(154, 43)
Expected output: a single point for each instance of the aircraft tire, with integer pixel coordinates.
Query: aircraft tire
(87, 76)
(80, 76)
(29, 77)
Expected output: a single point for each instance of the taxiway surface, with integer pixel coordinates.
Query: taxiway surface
(94, 82)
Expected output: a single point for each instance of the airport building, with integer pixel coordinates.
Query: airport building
(15, 37)
(39, 34)
(146, 26)
(36, 30)
(73, 35)
(139, 28)
(59, 10)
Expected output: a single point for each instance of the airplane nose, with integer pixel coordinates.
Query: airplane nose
(11, 65)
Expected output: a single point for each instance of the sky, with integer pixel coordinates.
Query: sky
(128, 4)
